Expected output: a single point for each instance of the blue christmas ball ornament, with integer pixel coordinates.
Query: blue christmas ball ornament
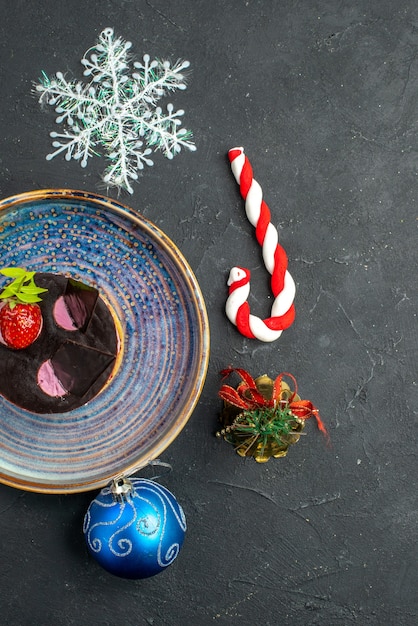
(134, 528)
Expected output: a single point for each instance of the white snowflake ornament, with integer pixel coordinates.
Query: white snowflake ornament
(116, 113)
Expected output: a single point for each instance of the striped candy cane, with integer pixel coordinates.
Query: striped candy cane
(274, 257)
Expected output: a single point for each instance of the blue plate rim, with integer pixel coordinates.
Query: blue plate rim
(171, 249)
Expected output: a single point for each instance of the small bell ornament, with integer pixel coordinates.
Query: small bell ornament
(134, 528)
(262, 417)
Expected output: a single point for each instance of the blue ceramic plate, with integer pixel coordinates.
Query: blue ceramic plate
(157, 301)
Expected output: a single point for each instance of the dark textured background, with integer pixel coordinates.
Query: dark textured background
(324, 96)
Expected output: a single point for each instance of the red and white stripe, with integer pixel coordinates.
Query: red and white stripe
(275, 261)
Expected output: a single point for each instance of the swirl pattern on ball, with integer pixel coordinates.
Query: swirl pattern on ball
(136, 536)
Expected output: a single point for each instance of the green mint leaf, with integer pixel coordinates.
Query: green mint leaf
(23, 288)
(32, 289)
(27, 298)
(8, 292)
(13, 272)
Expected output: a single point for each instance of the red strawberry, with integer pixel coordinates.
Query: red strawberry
(20, 315)
(20, 325)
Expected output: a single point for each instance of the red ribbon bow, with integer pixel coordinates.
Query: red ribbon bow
(248, 397)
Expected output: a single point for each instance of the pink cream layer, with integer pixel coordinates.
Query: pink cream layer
(48, 382)
(62, 316)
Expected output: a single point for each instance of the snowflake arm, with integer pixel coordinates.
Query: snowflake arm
(108, 59)
(117, 111)
(156, 78)
(77, 145)
(129, 155)
(163, 132)
(77, 113)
